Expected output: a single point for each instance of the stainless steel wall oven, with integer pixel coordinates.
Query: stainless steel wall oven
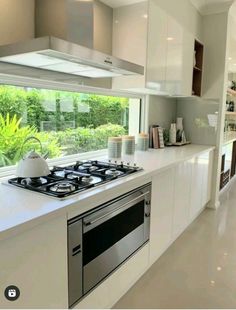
(102, 239)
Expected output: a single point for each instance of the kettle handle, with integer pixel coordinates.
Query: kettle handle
(28, 139)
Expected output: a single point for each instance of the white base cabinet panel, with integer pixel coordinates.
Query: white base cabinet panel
(183, 174)
(161, 213)
(196, 188)
(36, 262)
(118, 283)
(179, 195)
(200, 182)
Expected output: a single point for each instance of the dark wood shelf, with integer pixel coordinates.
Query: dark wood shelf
(197, 69)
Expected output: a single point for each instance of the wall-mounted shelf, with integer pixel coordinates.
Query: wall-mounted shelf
(197, 69)
(230, 113)
(231, 92)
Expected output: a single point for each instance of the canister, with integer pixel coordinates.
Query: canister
(114, 147)
(143, 141)
(128, 145)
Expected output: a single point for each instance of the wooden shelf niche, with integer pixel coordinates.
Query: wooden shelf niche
(197, 69)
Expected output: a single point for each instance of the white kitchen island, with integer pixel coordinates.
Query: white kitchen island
(33, 227)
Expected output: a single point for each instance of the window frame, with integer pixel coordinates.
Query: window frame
(19, 81)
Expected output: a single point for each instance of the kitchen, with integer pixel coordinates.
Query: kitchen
(80, 251)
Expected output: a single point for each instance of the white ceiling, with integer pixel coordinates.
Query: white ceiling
(118, 3)
(206, 7)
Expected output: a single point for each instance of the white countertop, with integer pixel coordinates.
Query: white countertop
(21, 209)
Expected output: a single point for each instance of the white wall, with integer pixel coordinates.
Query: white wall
(17, 20)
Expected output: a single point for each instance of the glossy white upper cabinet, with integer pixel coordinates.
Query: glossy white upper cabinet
(157, 48)
(179, 59)
(147, 34)
(130, 41)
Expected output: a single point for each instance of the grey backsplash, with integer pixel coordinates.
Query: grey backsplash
(196, 124)
(162, 111)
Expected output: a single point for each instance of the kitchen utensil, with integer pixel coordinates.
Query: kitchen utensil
(32, 165)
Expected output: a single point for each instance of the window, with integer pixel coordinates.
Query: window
(66, 123)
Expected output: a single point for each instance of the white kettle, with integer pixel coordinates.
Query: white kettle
(32, 165)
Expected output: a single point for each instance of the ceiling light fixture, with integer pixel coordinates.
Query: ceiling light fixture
(169, 39)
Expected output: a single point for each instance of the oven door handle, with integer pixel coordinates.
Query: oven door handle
(115, 210)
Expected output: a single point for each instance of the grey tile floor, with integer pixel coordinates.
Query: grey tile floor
(198, 270)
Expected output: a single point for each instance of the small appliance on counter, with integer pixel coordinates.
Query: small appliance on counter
(176, 134)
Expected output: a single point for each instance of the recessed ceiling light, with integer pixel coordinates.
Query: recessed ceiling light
(219, 268)
(230, 58)
(145, 16)
(234, 64)
(169, 39)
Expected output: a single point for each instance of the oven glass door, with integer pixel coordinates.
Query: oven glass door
(108, 244)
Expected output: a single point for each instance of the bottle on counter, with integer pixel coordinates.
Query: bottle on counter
(172, 133)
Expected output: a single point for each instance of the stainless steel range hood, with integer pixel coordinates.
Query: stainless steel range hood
(54, 54)
(64, 56)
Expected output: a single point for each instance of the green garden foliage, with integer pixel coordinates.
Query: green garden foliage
(66, 123)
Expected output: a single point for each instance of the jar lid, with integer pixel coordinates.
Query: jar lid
(143, 135)
(115, 139)
(128, 137)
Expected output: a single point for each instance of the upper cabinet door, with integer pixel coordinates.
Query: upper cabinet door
(130, 41)
(179, 59)
(157, 48)
(149, 35)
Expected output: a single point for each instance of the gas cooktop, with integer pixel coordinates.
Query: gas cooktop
(68, 180)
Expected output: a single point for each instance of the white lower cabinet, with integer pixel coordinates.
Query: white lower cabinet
(179, 194)
(183, 173)
(196, 188)
(200, 183)
(161, 213)
(206, 162)
(36, 262)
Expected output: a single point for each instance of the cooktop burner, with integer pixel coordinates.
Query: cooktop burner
(64, 181)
